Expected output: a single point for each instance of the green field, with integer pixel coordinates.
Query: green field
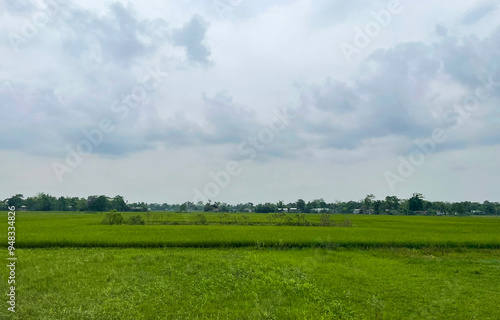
(41, 230)
(70, 266)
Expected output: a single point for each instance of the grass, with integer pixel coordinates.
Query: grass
(193, 283)
(42, 230)
(70, 266)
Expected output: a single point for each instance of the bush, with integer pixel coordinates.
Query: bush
(245, 219)
(325, 220)
(346, 223)
(200, 219)
(136, 220)
(113, 217)
(224, 218)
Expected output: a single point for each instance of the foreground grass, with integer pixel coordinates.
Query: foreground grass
(41, 230)
(190, 283)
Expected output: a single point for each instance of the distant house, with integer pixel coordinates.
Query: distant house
(23, 208)
(283, 209)
(138, 209)
(422, 213)
(362, 211)
(91, 199)
(292, 209)
(318, 210)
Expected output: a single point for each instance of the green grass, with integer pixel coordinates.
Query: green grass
(41, 230)
(193, 283)
(70, 266)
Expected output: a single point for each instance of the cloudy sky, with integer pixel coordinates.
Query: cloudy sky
(239, 100)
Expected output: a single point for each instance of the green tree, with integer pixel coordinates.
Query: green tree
(488, 208)
(45, 202)
(98, 204)
(392, 204)
(301, 205)
(62, 204)
(280, 204)
(458, 208)
(118, 203)
(367, 203)
(416, 202)
(16, 201)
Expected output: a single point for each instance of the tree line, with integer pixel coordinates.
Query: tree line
(416, 204)
(46, 202)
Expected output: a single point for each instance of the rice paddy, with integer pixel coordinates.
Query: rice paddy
(70, 266)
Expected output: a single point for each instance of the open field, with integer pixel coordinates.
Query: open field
(70, 266)
(39, 230)
(194, 283)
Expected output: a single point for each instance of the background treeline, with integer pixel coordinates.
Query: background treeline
(46, 202)
(369, 205)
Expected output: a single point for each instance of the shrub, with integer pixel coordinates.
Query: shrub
(113, 217)
(200, 219)
(325, 220)
(135, 220)
(224, 218)
(346, 223)
(245, 219)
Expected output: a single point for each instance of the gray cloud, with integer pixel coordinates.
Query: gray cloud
(118, 38)
(191, 37)
(478, 13)
(388, 97)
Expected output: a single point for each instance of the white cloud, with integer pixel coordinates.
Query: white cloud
(226, 74)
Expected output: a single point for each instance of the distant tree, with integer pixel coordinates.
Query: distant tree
(265, 208)
(118, 203)
(392, 204)
(416, 202)
(98, 204)
(199, 206)
(81, 205)
(45, 202)
(62, 204)
(30, 203)
(280, 204)
(211, 207)
(458, 208)
(16, 201)
(488, 208)
(301, 205)
(367, 203)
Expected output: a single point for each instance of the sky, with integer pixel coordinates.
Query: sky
(238, 100)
